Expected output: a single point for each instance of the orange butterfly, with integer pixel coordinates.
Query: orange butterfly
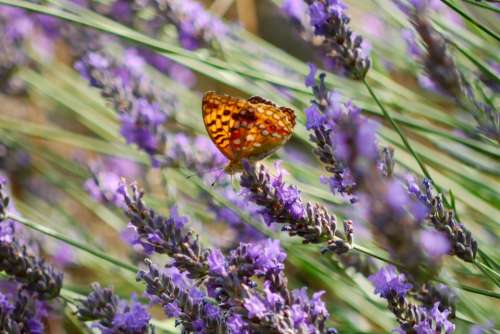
(249, 129)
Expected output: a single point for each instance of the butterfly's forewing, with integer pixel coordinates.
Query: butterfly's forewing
(217, 111)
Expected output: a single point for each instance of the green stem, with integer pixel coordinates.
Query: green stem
(470, 19)
(401, 135)
(483, 5)
(59, 236)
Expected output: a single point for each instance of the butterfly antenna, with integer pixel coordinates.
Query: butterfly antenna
(217, 177)
(216, 169)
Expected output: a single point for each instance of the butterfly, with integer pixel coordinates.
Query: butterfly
(249, 129)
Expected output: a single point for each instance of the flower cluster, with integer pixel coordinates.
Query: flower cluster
(413, 319)
(190, 306)
(195, 28)
(34, 280)
(21, 313)
(231, 280)
(442, 73)
(346, 142)
(142, 108)
(439, 65)
(331, 32)
(282, 204)
(33, 273)
(194, 24)
(462, 243)
(112, 314)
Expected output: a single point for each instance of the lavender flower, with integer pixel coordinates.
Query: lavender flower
(438, 64)
(331, 32)
(33, 273)
(230, 280)
(142, 108)
(434, 321)
(192, 309)
(412, 318)
(199, 155)
(388, 282)
(347, 143)
(165, 236)
(441, 72)
(429, 294)
(177, 72)
(17, 261)
(113, 315)
(194, 24)
(486, 115)
(21, 313)
(434, 243)
(35, 280)
(281, 204)
(444, 220)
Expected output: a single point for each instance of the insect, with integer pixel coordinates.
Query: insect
(249, 129)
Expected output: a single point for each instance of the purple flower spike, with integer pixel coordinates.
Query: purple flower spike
(142, 108)
(327, 24)
(113, 315)
(282, 204)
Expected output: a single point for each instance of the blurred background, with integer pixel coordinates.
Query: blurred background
(64, 145)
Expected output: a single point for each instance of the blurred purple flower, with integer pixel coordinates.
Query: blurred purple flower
(195, 24)
(459, 238)
(63, 255)
(106, 178)
(236, 325)
(387, 281)
(435, 243)
(295, 9)
(244, 232)
(311, 77)
(412, 46)
(49, 24)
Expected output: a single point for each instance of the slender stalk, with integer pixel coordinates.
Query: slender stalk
(482, 5)
(59, 236)
(400, 133)
(470, 19)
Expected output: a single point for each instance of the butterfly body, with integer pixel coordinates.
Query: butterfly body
(249, 129)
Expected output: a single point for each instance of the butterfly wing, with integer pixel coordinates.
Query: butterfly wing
(246, 129)
(217, 110)
(271, 129)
